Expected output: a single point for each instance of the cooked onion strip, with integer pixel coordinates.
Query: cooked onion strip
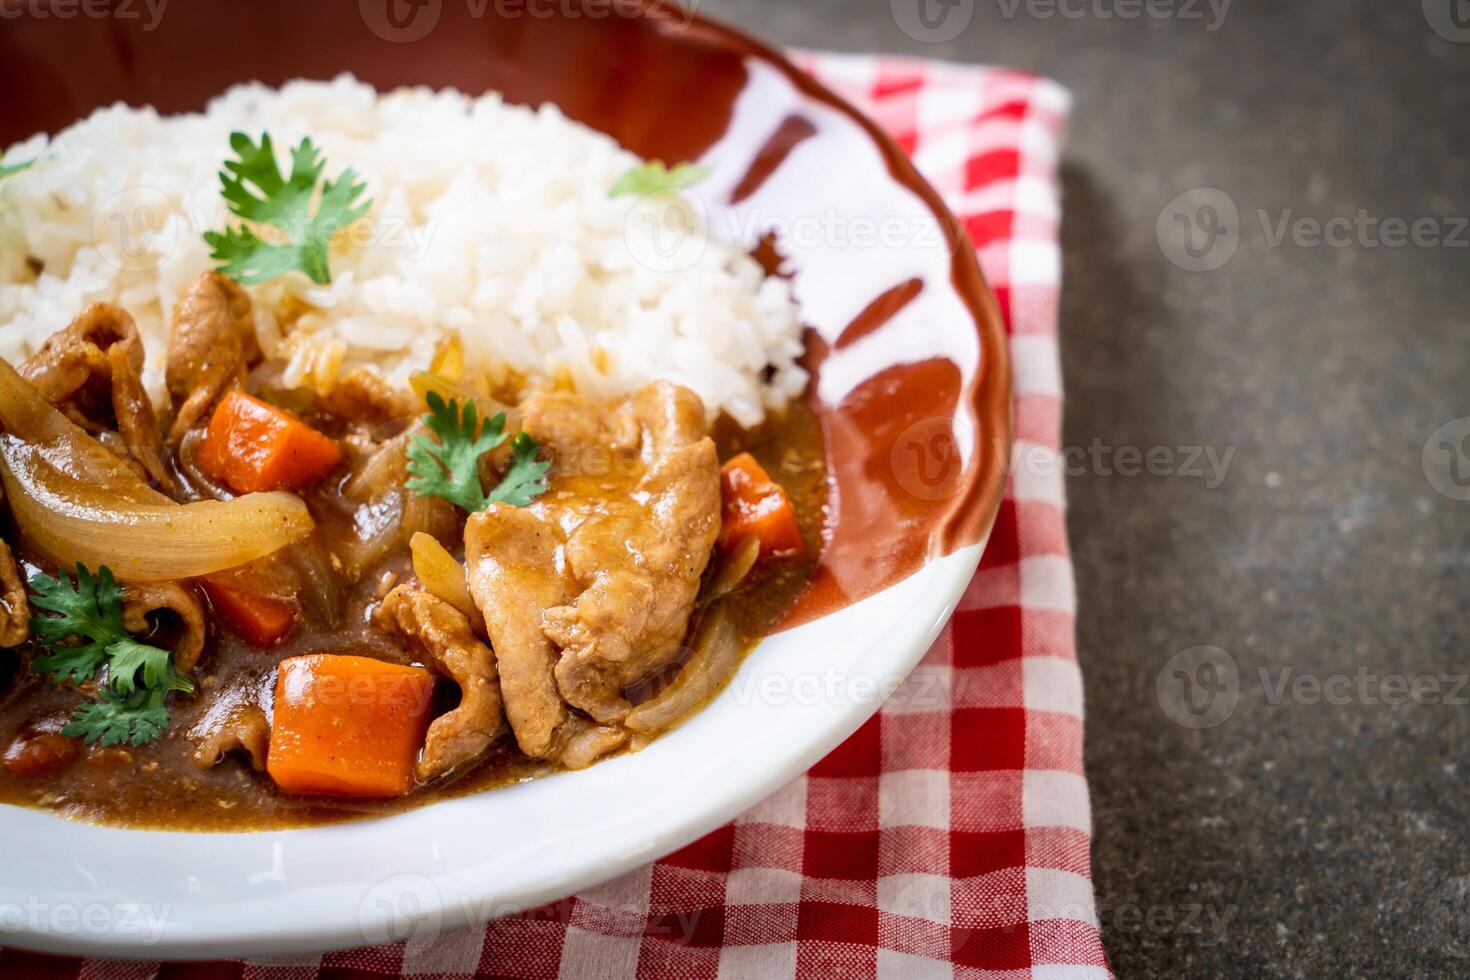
(733, 569)
(424, 382)
(444, 577)
(80, 503)
(717, 650)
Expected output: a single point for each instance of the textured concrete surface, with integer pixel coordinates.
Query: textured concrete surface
(1312, 818)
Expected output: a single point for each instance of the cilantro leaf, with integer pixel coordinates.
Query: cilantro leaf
(450, 468)
(283, 203)
(525, 480)
(117, 719)
(11, 169)
(84, 634)
(128, 656)
(90, 611)
(655, 178)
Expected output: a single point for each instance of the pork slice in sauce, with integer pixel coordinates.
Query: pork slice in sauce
(637, 542)
(209, 350)
(136, 421)
(364, 397)
(442, 636)
(513, 564)
(232, 725)
(569, 427)
(15, 608)
(93, 368)
(142, 599)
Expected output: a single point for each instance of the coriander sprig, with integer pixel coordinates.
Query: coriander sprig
(450, 468)
(283, 203)
(117, 719)
(654, 177)
(525, 480)
(85, 633)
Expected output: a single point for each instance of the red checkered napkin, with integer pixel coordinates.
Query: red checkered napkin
(950, 835)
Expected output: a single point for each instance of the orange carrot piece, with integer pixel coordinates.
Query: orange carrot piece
(757, 506)
(252, 446)
(261, 620)
(348, 726)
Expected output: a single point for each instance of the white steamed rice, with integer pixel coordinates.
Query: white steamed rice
(489, 221)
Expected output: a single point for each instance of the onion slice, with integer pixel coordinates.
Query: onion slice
(717, 653)
(444, 577)
(733, 569)
(78, 502)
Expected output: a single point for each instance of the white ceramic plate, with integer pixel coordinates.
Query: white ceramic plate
(108, 892)
(908, 354)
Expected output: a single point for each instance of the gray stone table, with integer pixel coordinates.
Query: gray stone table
(1321, 828)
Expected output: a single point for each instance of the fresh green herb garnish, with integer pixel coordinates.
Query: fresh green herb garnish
(655, 178)
(284, 204)
(450, 468)
(525, 480)
(11, 169)
(85, 633)
(135, 719)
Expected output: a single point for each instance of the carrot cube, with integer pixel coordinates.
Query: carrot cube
(757, 506)
(252, 446)
(348, 726)
(261, 620)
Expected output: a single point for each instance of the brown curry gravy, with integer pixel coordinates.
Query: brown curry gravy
(159, 786)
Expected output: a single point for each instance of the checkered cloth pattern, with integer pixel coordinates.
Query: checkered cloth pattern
(950, 835)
